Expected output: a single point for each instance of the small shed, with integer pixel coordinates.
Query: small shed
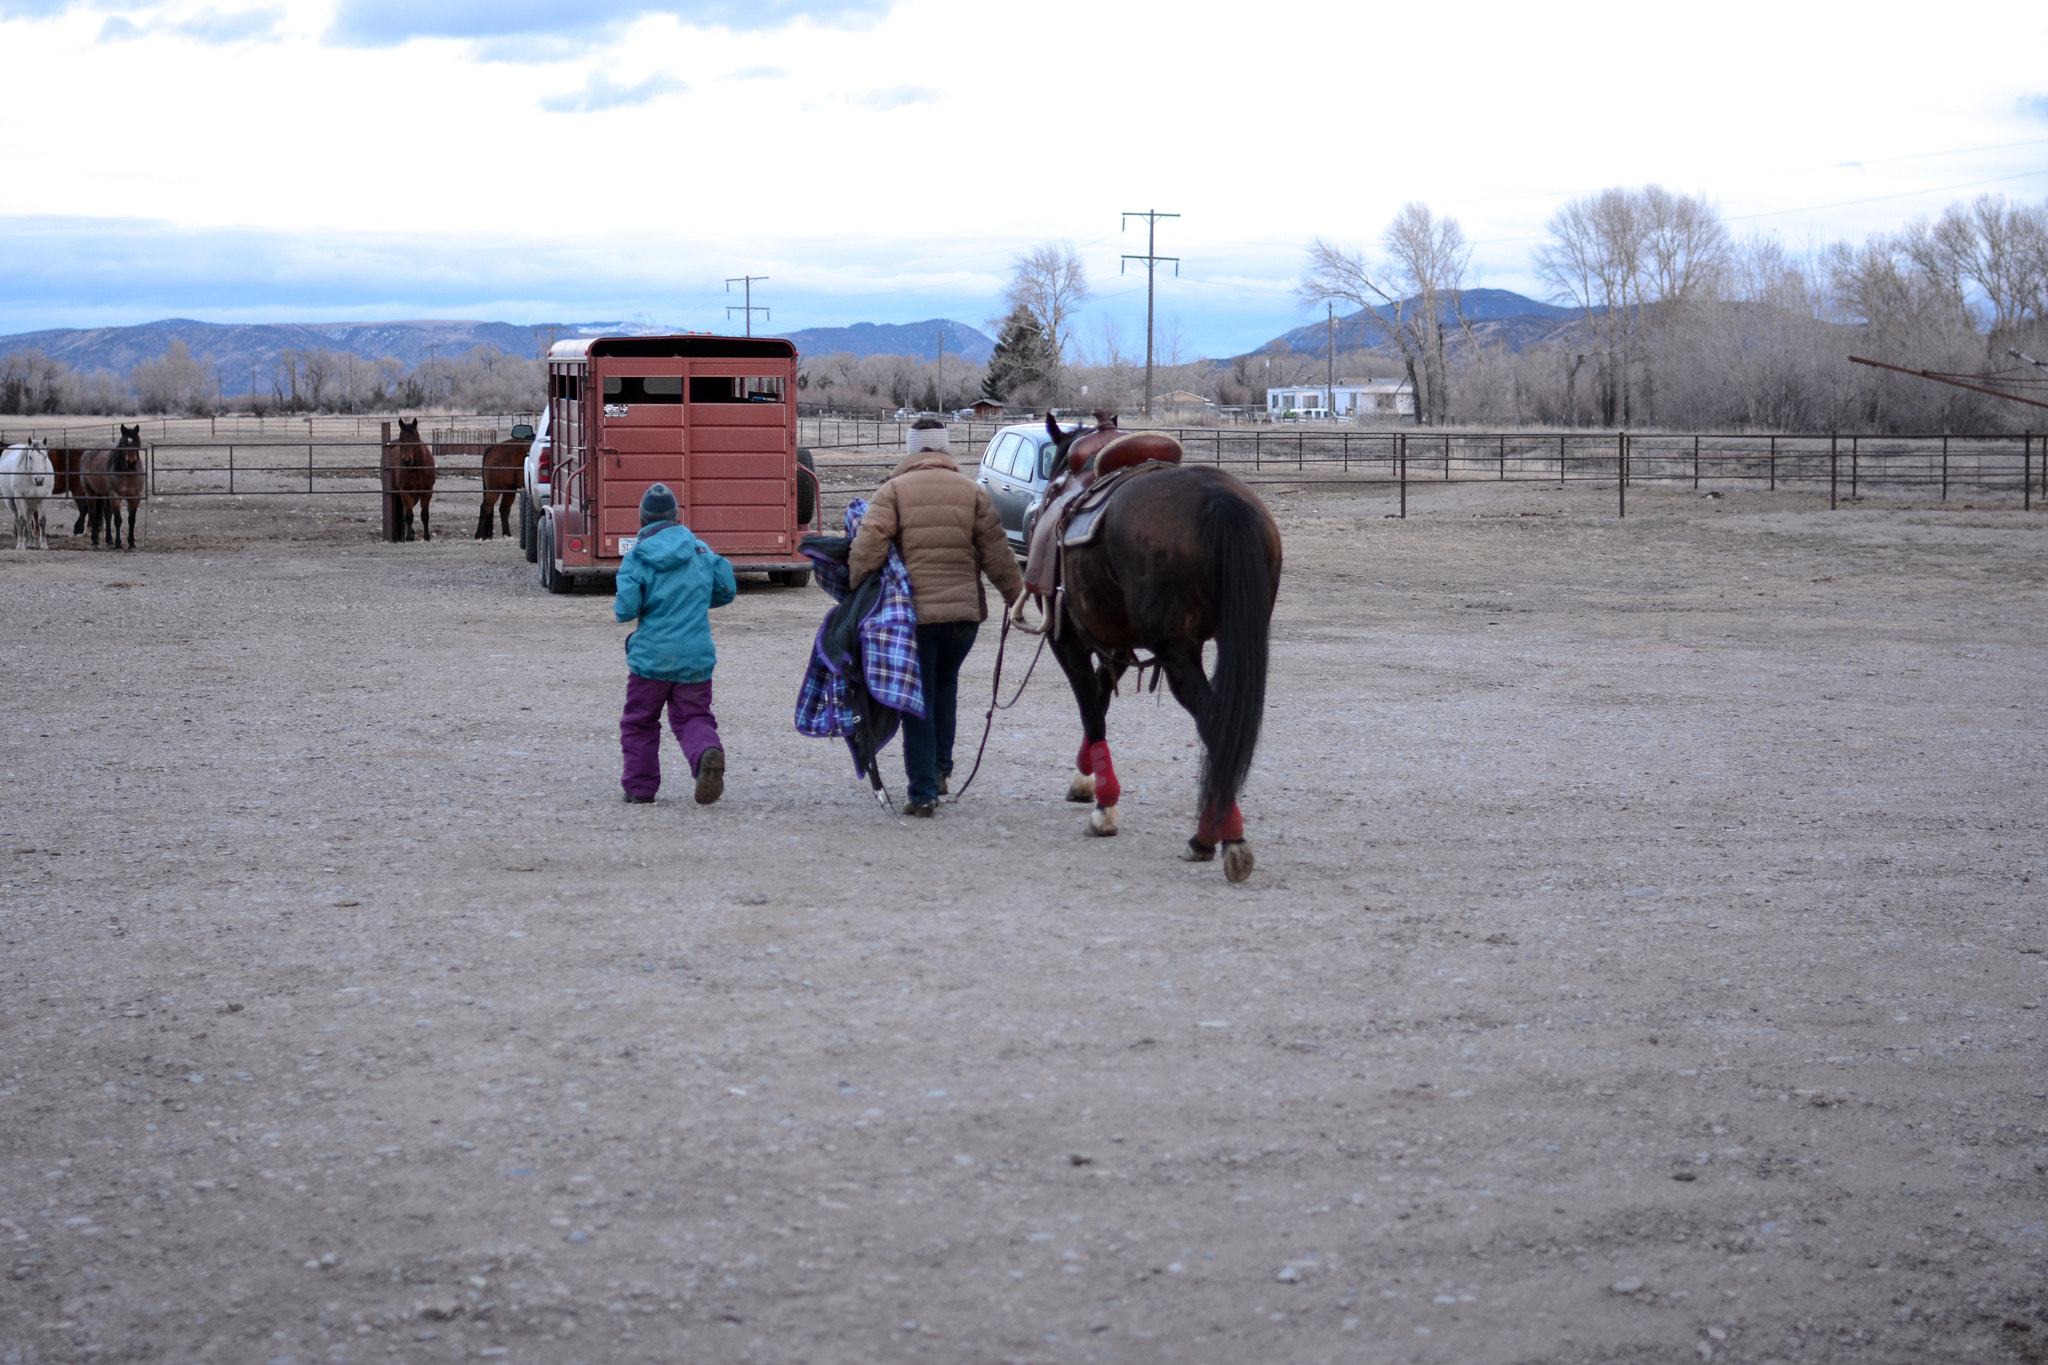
(989, 410)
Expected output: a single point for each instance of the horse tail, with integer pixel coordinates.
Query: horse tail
(1241, 589)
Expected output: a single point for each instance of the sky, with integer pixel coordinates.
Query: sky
(886, 160)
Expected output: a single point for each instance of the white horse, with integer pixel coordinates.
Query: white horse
(26, 478)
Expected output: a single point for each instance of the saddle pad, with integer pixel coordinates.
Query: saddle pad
(1084, 515)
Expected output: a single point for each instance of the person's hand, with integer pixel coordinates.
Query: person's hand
(1019, 620)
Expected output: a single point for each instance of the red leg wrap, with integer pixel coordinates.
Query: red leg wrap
(1229, 830)
(1107, 788)
(1081, 760)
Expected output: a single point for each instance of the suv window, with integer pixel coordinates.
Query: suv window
(1002, 454)
(1046, 451)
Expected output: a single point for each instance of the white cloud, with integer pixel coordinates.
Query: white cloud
(601, 92)
(896, 97)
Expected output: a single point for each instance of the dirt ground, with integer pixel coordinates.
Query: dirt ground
(1644, 962)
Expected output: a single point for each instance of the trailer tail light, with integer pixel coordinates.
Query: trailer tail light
(576, 544)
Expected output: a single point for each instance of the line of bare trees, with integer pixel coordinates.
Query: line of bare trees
(1676, 322)
(485, 379)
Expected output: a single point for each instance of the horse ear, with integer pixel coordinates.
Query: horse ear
(1052, 425)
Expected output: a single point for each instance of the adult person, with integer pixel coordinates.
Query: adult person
(950, 537)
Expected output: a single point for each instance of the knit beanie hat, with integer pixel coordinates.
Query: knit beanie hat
(657, 504)
(927, 433)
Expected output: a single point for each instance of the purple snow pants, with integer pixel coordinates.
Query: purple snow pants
(689, 715)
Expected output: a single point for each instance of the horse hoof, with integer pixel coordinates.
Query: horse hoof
(1197, 852)
(1102, 824)
(1237, 860)
(1082, 789)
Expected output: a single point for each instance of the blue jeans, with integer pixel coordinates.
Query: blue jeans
(928, 742)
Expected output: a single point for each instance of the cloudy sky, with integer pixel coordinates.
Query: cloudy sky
(884, 160)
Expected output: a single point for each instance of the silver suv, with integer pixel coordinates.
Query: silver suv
(1014, 469)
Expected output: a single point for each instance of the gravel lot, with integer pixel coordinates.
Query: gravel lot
(1645, 962)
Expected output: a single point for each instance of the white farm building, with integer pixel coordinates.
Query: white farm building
(1347, 401)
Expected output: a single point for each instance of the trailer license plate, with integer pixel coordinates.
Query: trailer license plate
(626, 544)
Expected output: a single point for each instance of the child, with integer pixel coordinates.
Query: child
(669, 582)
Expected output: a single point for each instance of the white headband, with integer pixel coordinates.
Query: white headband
(928, 438)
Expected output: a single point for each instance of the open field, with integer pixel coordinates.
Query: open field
(1645, 962)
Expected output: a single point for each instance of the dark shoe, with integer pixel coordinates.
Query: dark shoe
(633, 800)
(710, 776)
(923, 810)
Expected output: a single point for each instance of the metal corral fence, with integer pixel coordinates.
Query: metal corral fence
(321, 427)
(1852, 465)
(855, 456)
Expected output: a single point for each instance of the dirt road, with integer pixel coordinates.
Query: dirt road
(1644, 962)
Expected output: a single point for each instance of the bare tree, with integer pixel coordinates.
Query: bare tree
(1051, 284)
(1413, 298)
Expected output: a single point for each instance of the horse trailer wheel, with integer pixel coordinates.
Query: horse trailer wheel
(806, 489)
(551, 578)
(794, 578)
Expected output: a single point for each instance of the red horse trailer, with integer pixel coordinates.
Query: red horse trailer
(712, 417)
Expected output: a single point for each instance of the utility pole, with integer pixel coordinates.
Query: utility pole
(1151, 258)
(748, 282)
(1330, 356)
(549, 344)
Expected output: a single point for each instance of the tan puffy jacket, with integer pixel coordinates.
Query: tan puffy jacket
(949, 535)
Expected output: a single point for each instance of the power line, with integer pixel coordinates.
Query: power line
(1151, 258)
(748, 308)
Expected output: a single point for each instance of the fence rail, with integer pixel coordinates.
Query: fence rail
(1847, 464)
(855, 456)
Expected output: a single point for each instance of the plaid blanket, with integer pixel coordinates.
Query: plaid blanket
(887, 661)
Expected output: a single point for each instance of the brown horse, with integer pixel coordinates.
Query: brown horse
(411, 466)
(1181, 555)
(504, 475)
(112, 478)
(65, 462)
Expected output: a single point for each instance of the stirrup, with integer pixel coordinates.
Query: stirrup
(1019, 621)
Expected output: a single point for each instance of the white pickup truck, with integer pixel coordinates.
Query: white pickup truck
(533, 493)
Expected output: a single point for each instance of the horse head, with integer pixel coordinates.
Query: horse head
(1078, 446)
(408, 429)
(131, 436)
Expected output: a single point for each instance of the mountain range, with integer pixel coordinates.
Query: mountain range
(235, 349)
(1496, 315)
(239, 350)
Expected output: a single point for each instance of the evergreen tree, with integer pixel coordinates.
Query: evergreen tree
(1021, 356)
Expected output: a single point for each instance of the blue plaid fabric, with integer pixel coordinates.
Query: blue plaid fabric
(888, 649)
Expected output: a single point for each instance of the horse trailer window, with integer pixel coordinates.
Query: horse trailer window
(569, 386)
(736, 388)
(635, 388)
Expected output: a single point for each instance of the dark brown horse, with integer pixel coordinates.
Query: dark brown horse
(411, 467)
(65, 462)
(1182, 555)
(113, 478)
(504, 475)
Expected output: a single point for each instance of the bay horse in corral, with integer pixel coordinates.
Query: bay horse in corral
(504, 476)
(1179, 555)
(65, 462)
(26, 478)
(411, 465)
(113, 478)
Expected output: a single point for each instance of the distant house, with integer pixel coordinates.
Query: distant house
(1180, 400)
(1348, 400)
(988, 410)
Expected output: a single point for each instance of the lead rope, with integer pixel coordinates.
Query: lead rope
(995, 704)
